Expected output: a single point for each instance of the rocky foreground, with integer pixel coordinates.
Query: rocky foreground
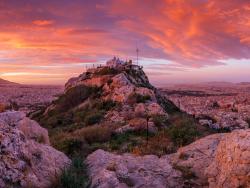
(219, 160)
(26, 158)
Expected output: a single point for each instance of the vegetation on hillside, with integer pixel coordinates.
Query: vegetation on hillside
(77, 127)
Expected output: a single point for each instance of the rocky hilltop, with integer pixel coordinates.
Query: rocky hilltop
(128, 135)
(114, 99)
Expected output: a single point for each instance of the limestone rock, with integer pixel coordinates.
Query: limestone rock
(122, 171)
(155, 109)
(231, 166)
(198, 155)
(32, 130)
(23, 161)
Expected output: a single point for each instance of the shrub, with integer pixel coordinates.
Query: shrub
(159, 145)
(76, 176)
(107, 71)
(160, 120)
(75, 96)
(142, 98)
(93, 118)
(59, 120)
(183, 130)
(104, 105)
(70, 146)
(137, 98)
(94, 134)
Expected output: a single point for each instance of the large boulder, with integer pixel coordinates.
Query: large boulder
(32, 130)
(108, 170)
(197, 156)
(231, 166)
(24, 162)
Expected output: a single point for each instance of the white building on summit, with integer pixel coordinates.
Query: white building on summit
(115, 62)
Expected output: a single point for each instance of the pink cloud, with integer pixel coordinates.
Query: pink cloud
(195, 33)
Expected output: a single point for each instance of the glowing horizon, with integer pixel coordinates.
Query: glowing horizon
(47, 42)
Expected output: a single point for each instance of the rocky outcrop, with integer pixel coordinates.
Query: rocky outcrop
(31, 129)
(219, 160)
(197, 156)
(127, 86)
(231, 165)
(123, 171)
(26, 159)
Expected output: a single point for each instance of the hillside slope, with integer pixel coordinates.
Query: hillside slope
(115, 108)
(6, 82)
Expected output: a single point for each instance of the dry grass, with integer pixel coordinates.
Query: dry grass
(2, 107)
(158, 145)
(96, 133)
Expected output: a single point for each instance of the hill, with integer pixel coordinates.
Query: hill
(115, 108)
(6, 82)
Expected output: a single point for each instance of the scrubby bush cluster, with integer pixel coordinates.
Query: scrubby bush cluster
(107, 71)
(137, 98)
(75, 96)
(76, 176)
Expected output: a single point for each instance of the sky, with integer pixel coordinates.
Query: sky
(179, 41)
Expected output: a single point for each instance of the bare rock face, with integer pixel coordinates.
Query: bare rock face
(216, 161)
(23, 161)
(121, 88)
(29, 128)
(123, 171)
(197, 156)
(231, 166)
(32, 130)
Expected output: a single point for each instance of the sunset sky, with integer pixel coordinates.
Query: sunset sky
(180, 41)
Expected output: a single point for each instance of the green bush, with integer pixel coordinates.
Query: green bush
(137, 98)
(93, 134)
(93, 118)
(160, 120)
(104, 105)
(70, 146)
(183, 130)
(142, 98)
(74, 97)
(158, 144)
(76, 176)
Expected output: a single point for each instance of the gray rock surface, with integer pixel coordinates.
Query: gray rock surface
(231, 165)
(24, 162)
(216, 161)
(122, 171)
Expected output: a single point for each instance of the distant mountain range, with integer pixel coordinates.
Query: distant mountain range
(6, 82)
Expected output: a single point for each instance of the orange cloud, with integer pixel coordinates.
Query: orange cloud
(195, 33)
(43, 22)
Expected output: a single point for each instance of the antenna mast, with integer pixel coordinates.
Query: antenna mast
(137, 53)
